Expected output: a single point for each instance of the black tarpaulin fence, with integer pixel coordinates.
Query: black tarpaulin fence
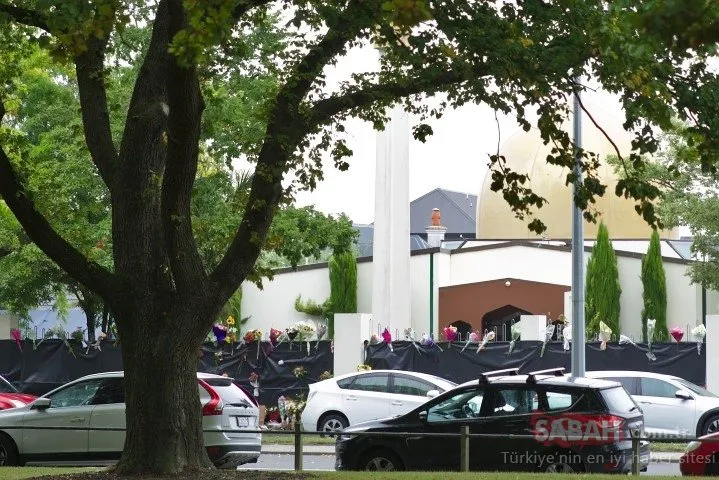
(50, 364)
(449, 361)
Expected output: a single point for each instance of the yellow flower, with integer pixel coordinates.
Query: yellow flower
(230, 320)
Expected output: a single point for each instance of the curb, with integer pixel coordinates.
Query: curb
(665, 457)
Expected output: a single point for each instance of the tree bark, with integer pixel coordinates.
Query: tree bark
(163, 410)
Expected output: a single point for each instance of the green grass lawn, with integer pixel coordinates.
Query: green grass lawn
(10, 473)
(668, 447)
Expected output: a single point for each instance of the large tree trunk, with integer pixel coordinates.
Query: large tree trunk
(163, 414)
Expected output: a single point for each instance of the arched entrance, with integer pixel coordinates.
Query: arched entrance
(463, 328)
(501, 320)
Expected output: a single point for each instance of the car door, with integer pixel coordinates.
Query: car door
(69, 412)
(663, 411)
(408, 393)
(446, 415)
(109, 412)
(509, 410)
(367, 398)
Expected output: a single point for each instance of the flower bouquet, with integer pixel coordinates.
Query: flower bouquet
(299, 372)
(474, 337)
(409, 335)
(363, 367)
(651, 326)
(253, 336)
(548, 334)
(677, 334)
(567, 337)
(16, 335)
(487, 338)
(231, 336)
(101, 338)
(387, 338)
(516, 332)
(625, 340)
(321, 332)
(326, 375)
(428, 342)
(375, 339)
(305, 332)
(219, 332)
(605, 334)
(275, 336)
(699, 333)
(450, 333)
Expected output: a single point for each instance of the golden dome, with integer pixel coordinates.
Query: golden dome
(525, 152)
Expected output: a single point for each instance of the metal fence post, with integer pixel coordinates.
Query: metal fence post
(298, 446)
(635, 451)
(464, 448)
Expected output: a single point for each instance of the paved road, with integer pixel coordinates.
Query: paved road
(269, 461)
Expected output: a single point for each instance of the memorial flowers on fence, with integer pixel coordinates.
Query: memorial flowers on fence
(428, 341)
(699, 332)
(677, 334)
(363, 367)
(16, 335)
(515, 332)
(387, 338)
(474, 337)
(548, 334)
(326, 375)
(450, 333)
(409, 335)
(253, 336)
(254, 379)
(651, 326)
(567, 337)
(299, 372)
(487, 338)
(605, 334)
(305, 332)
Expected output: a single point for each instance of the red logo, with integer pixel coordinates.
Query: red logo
(572, 429)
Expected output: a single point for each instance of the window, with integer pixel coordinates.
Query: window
(76, 395)
(514, 401)
(694, 388)
(111, 391)
(371, 383)
(467, 404)
(345, 382)
(653, 387)
(618, 400)
(630, 384)
(576, 399)
(411, 386)
(560, 400)
(230, 393)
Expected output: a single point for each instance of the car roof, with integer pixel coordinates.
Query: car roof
(565, 380)
(629, 373)
(122, 374)
(425, 376)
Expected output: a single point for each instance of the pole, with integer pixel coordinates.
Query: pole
(578, 326)
(431, 295)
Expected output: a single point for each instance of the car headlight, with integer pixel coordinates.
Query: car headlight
(692, 446)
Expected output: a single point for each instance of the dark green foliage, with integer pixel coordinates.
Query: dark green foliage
(343, 286)
(602, 286)
(655, 291)
(312, 308)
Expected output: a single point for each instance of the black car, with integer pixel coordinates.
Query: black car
(543, 421)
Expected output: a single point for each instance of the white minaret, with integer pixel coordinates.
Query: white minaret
(391, 298)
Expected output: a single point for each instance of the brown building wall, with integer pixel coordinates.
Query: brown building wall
(472, 301)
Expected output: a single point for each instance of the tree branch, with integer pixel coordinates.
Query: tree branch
(185, 102)
(324, 110)
(91, 274)
(93, 104)
(286, 128)
(25, 16)
(244, 6)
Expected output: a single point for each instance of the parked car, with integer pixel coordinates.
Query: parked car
(339, 402)
(10, 397)
(701, 457)
(99, 401)
(672, 406)
(566, 424)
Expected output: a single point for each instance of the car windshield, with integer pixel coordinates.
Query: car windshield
(231, 394)
(6, 387)
(702, 392)
(618, 400)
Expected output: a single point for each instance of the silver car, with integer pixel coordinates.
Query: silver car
(98, 401)
(672, 406)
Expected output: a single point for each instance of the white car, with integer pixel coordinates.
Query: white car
(342, 401)
(672, 406)
(98, 401)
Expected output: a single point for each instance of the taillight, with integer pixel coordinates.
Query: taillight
(214, 406)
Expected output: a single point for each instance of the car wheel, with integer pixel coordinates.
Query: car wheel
(711, 425)
(8, 452)
(562, 462)
(332, 423)
(381, 461)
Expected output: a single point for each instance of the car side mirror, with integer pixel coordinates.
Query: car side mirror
(41, 404)
(683, 394)
(432, 393)
(423, 416)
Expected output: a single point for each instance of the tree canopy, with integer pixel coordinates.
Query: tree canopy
(189, 72)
